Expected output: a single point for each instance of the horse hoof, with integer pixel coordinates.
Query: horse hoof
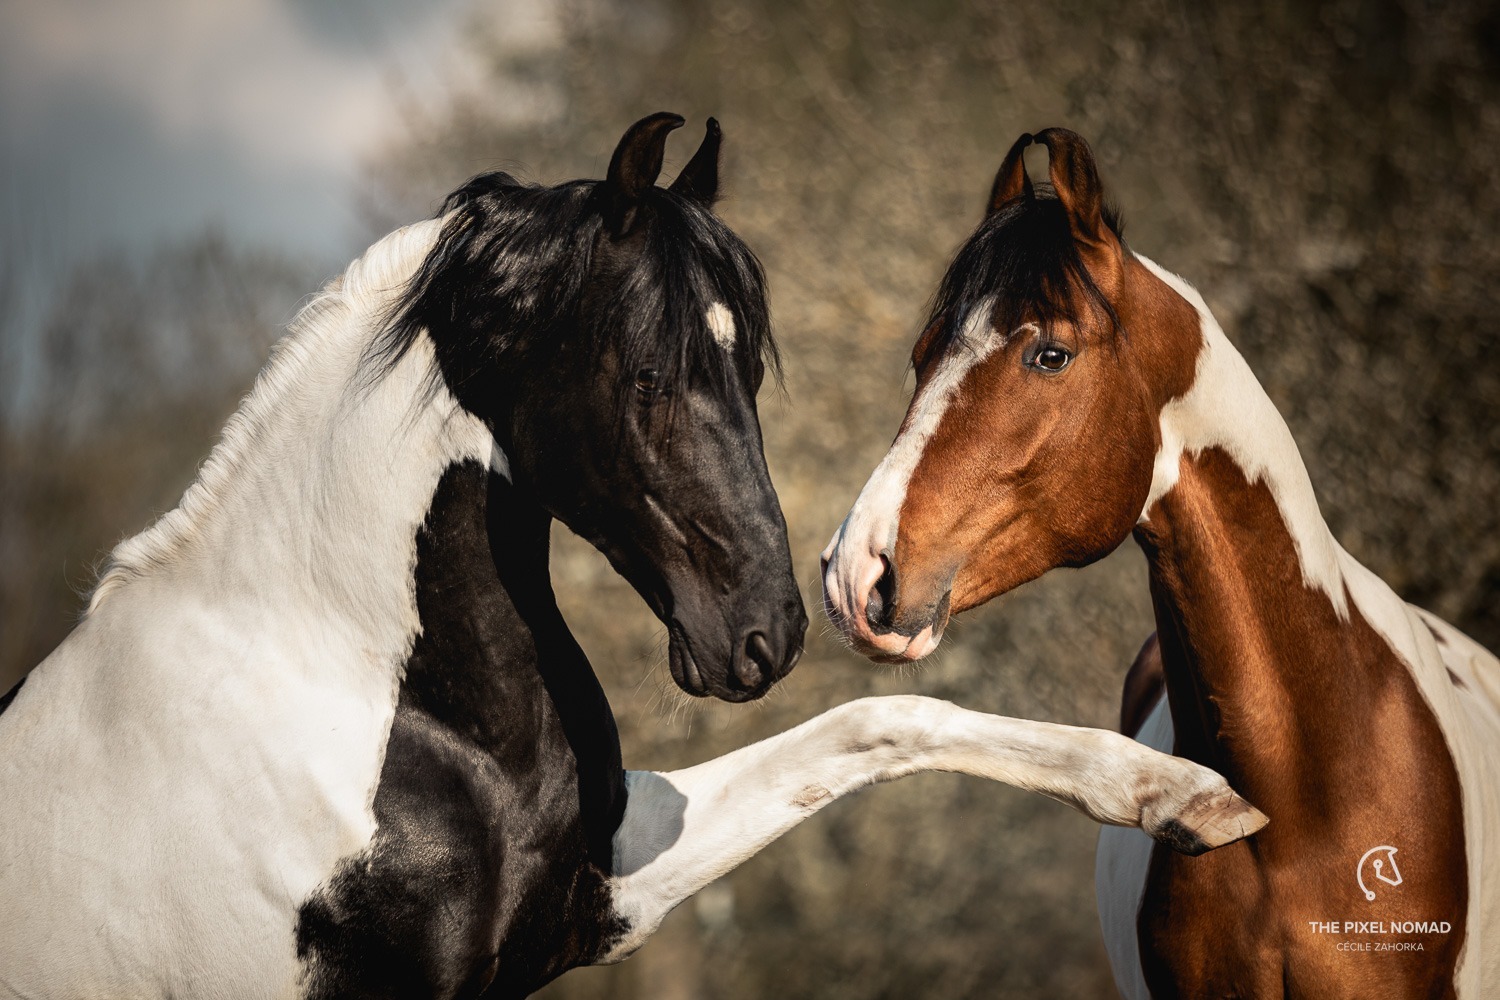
(1210, 821)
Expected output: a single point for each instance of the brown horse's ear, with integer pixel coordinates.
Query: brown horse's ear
(1076, 181)
(634, 168)
(1011, 182)
(699, 180)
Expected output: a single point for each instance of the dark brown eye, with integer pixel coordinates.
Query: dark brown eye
(1052, 358)
(648, 381)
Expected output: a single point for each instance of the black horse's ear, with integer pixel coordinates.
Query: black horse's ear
(1076, 181)
(634, 168)
(1011, 182)
(699, 180)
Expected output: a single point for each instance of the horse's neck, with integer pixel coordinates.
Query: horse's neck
(1291, 669)
(304, 517)
(1262, 641)
(1252, 652)
(347, 531)
(1226, 409)
(495, 662)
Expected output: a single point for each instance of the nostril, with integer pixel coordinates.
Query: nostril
(756, 666)
(759, 649)
(881, 603)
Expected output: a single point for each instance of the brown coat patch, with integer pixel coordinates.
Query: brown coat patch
(1318, 723)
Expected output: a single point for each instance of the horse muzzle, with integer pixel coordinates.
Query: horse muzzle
(862, 596)
(741, 666)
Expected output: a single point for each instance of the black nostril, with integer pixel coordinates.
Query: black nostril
(756, 666)
(880, 606)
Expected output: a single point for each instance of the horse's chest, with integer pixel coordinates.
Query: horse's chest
(478, 879)
(1287, 916)
(178, 815)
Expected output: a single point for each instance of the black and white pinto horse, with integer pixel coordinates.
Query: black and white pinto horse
(323, 731)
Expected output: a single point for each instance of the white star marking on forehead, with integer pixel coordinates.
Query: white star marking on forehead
(721, 324)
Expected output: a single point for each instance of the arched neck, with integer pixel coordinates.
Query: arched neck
(495, 662)
(1237, 617)
(1225, 409)
(1259, 634)
(305, 515)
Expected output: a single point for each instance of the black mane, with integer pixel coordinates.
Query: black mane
(1025, 257)
(513, 261)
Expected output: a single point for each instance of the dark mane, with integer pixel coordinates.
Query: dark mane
(513, 262)
(1025, 258)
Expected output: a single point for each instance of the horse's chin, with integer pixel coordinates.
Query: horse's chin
(904, 649)
(684, 668)
(695, 680)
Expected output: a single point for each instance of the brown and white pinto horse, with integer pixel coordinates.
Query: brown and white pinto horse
(1070, 394)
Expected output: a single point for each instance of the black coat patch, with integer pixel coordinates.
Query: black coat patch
(501, 787)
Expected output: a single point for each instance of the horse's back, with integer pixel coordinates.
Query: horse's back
(1473, 670)
(170, 797)
(1474, 675)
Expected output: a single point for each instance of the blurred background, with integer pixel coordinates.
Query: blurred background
(178, 177)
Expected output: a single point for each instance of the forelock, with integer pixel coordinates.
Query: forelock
(690, 262)
(1022, 258)
(513, 262)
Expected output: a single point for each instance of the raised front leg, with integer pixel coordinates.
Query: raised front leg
(683, 829)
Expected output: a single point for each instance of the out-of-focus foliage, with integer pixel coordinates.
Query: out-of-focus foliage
(141, 362)
(1322, 171)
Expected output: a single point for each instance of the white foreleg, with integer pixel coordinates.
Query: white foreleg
(684, 829)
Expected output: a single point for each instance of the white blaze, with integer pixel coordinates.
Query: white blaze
(870, 527)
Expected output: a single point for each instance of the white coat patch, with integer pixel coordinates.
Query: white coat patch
(1227, 408)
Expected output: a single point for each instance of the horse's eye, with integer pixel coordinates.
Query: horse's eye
(1052, 358)
(648, 381)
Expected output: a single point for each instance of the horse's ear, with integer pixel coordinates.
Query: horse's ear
(1076, 181)
(634, 168)
(699, 180)
(1011, 182)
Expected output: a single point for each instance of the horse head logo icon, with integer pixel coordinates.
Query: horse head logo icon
(1380, 865)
